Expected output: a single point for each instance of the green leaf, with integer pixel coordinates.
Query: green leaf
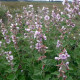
(37, 72)
(21, 77)
(69, 78)
(11, 77)
(49, 50)
(47, 77)
(55, 73)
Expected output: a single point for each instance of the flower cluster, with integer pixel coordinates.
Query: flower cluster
(58, 44)
(14, 29)
(29, 18)
(5, 34)
(10, 58)
(3, 30)
(39, 45)
(18, 19)
(63, 56)
(9, 16)
(70, 13)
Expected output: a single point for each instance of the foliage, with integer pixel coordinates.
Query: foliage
(20, 59)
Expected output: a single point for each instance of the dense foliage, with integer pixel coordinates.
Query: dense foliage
(40, 44)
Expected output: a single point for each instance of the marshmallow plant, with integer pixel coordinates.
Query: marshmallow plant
(71, 14)
(39, 44)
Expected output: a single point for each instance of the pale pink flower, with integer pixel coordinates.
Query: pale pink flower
(79, 13)
(63, 28)
(0, 20)
(36, 34)
(38, 46)
(57, 58)
(27, 29)
(45, 38)
(58, 44)
(67, 63)
(0, 43)
(46, 17)
(62, 56)
(11, 57)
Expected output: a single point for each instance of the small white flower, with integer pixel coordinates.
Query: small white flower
(0, 43)
(31, 46)
(62, 13)
(21, 70)
(11, 57)
(67, 63)
(63, 28)
(44, 37)
(62, 56)
(17, 28)
(0, 20)
(58, 44)
(7, 58)
(36, 33)
(79, 13)
(30, 6)
(46, 17)
(60, 69)
(74, 37)
(10, 52)
(27, 29)
(57, 58)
